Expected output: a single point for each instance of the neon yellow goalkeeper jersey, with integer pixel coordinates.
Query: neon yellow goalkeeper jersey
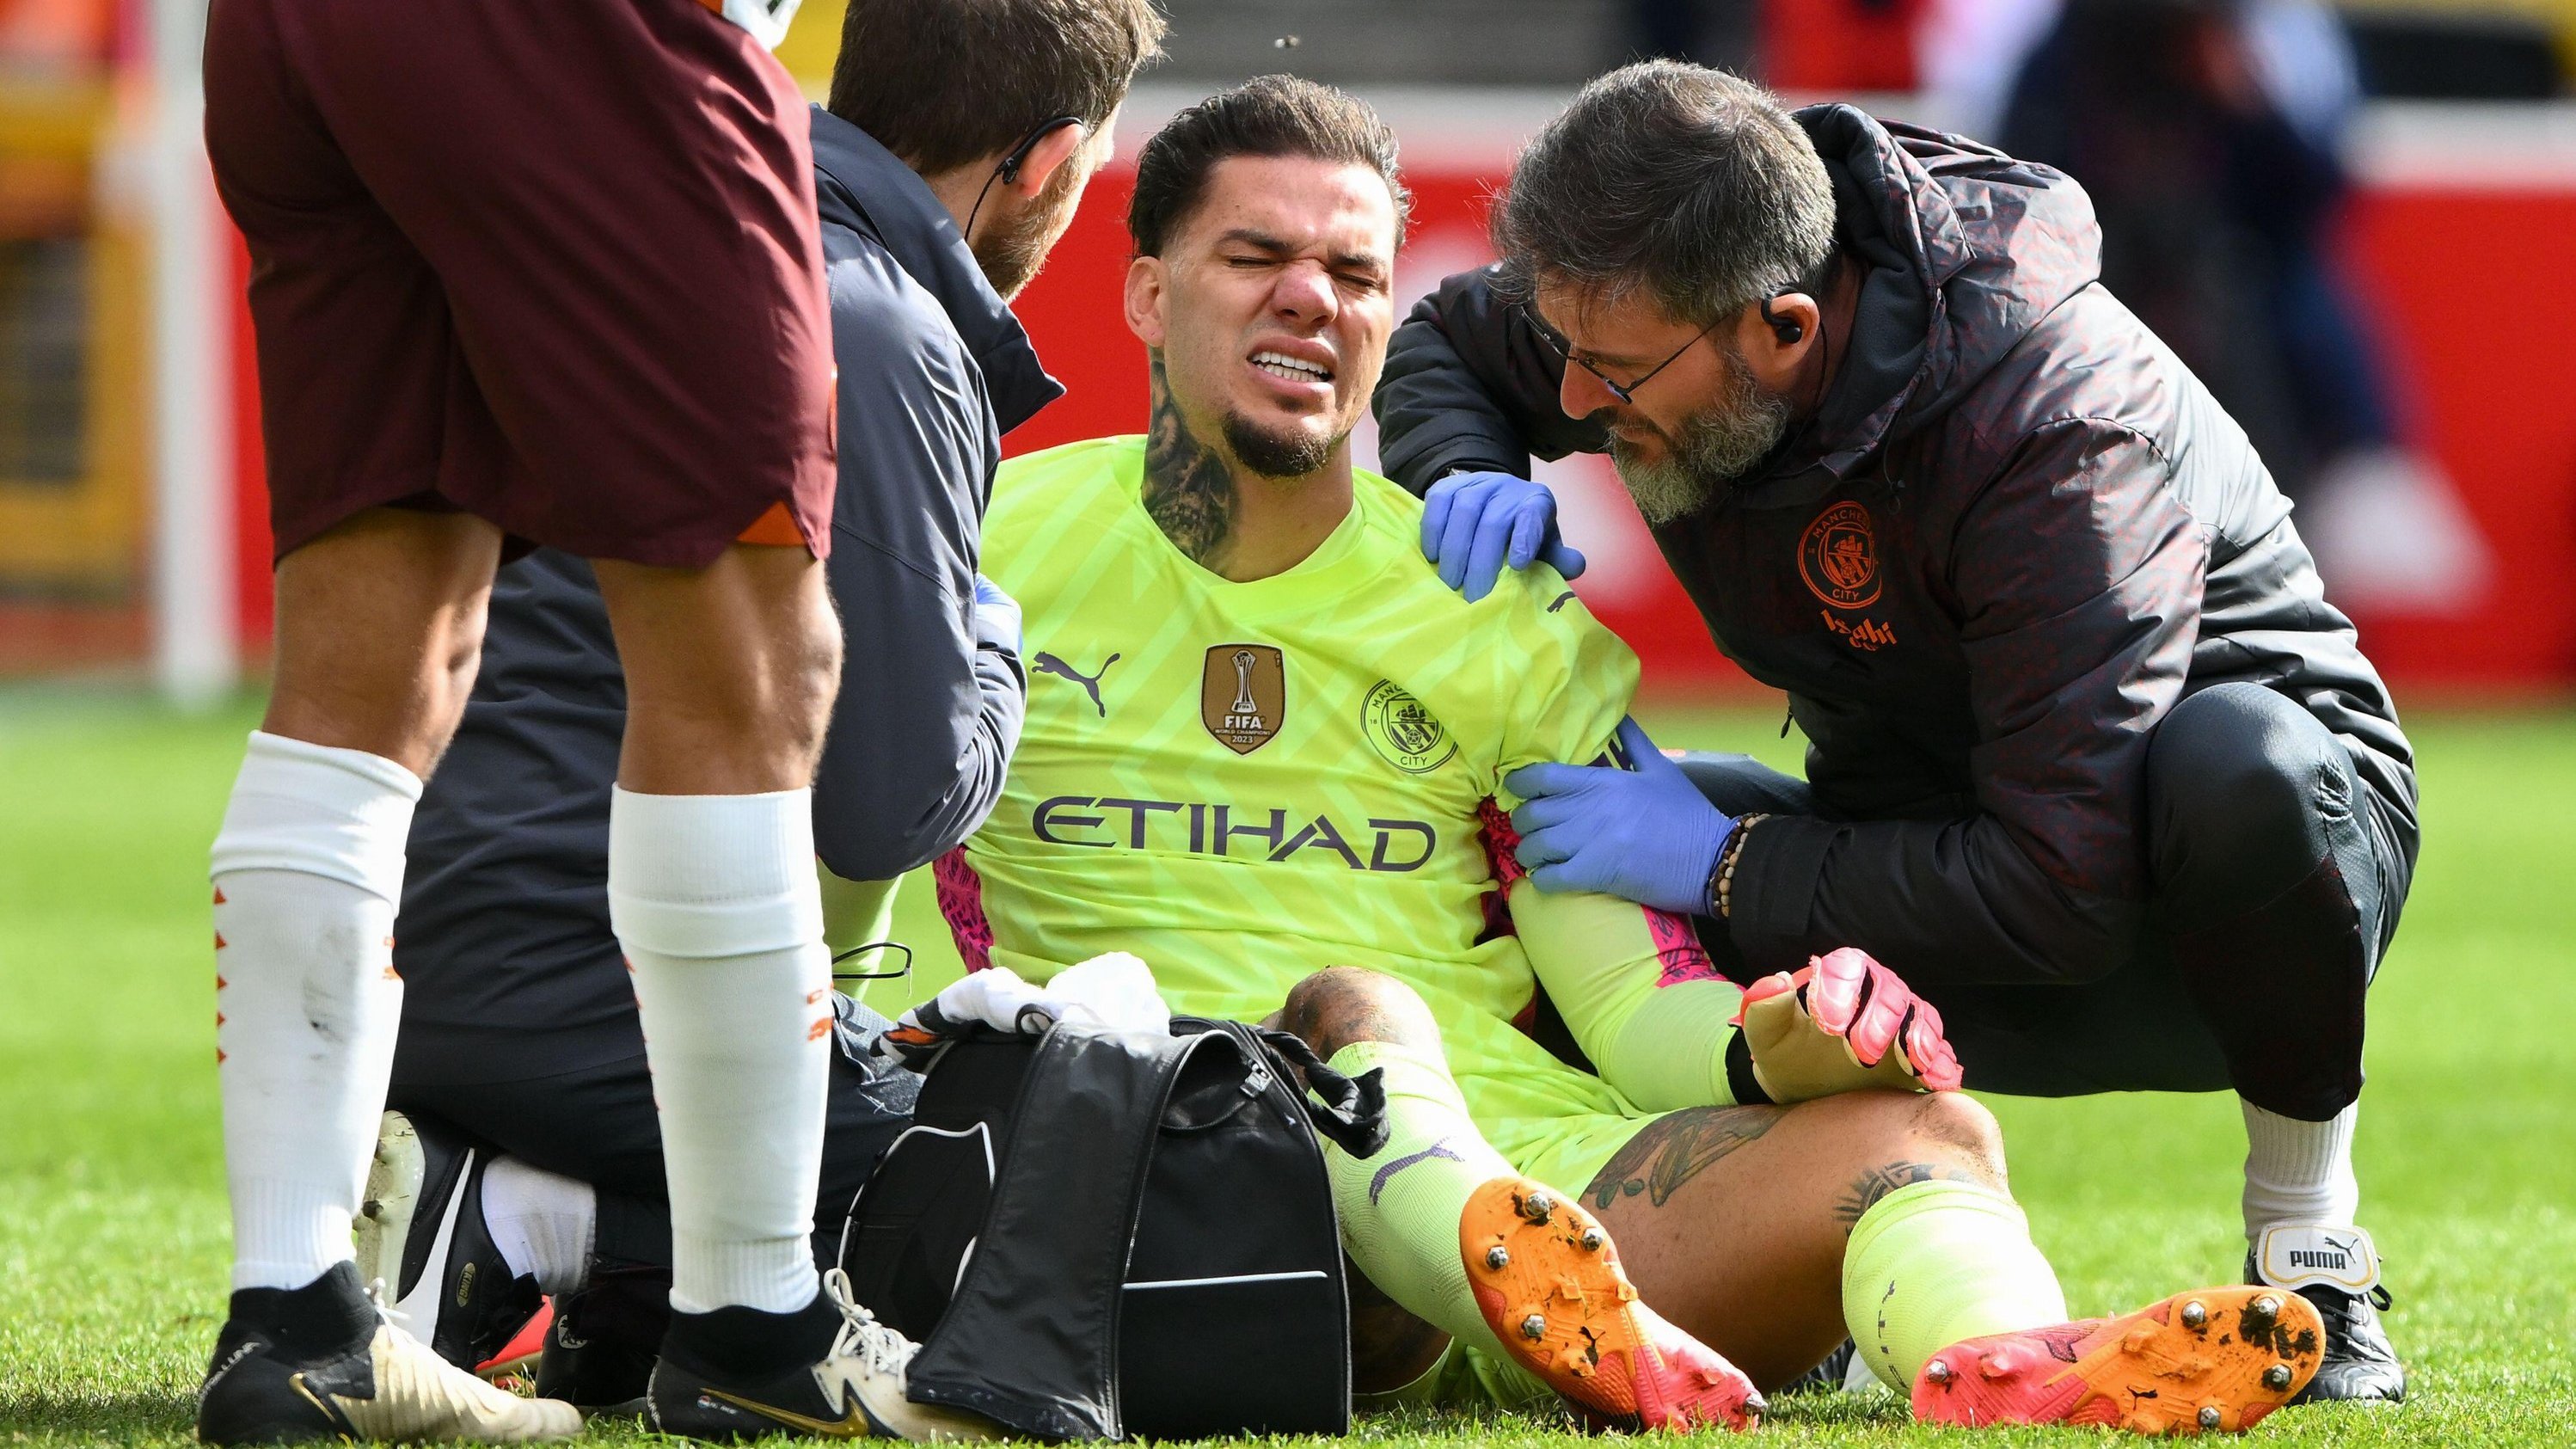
(1244, 783)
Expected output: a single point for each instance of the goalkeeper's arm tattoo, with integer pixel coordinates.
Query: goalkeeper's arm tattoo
(1189, 490)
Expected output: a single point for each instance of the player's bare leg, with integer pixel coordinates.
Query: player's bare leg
(378, 624)
(1441, 1223)
(1788, 1185)
(730, 671)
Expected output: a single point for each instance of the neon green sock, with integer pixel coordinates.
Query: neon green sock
(1400, 1208)
(1936, 1262)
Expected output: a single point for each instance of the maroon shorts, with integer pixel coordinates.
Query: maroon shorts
(551, 262)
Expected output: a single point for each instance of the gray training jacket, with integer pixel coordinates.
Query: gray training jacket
(504, 942)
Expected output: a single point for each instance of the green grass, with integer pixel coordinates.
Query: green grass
(113, 1233)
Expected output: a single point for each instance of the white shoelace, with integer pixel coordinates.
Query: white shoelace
(886, 1351)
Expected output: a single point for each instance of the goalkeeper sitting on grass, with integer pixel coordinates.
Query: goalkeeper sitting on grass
(1271, 753)
(1268, 751)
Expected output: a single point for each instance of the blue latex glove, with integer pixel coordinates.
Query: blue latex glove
(1475, 523)
(997, 617)
(1645, 833)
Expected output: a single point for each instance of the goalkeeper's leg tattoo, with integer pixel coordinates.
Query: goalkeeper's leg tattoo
(1869, 1187)
(1675, 1148)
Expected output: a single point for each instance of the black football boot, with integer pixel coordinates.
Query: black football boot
(318, 1363)
(828, 1369)
(2337, 1269)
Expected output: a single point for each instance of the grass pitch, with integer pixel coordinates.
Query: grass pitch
(113, 1230)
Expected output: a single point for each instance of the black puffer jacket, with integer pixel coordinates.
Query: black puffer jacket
(2018, 531)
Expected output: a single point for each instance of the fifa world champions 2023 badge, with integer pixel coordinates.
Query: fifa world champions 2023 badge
(1243, 695)
(1404, 733)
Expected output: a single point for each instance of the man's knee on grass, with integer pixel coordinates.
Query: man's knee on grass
(1343, 1005)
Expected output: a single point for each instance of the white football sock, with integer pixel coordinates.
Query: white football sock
(713, 898)
(543, 1223)
(307, 869)
(2299, 1172)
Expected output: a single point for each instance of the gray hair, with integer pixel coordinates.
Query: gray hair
(1689, 184)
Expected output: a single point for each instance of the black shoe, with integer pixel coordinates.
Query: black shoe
(421, 1235)
(1832, 1376)
(2337, 1269)
(600, 1348)
(827, 1369)
(316, 1362)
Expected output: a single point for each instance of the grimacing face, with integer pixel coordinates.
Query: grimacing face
(1271, 305)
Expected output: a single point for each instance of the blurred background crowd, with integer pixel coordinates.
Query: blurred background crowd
(2357, 222)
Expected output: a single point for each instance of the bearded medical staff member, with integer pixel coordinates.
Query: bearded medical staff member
(2092, 761)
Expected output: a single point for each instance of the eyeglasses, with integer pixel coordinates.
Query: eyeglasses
(1625, 392)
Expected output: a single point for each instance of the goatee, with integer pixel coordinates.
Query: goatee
(1717, 445)
(1288, 454)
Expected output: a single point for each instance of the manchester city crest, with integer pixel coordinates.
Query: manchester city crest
(1838, 557)
(1403, 732)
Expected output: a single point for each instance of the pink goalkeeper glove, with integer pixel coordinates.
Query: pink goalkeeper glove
(1843, 1023)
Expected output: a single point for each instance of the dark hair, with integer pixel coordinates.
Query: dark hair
(942, 83)
(1689, 184)
(1271, 115)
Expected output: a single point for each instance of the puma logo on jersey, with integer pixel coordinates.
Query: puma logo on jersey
(1049, 664)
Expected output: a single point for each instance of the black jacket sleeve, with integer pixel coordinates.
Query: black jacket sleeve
(1469, 385)
(927, 717)
(2078, 577)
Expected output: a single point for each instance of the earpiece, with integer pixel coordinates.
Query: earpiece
(1019, 157)
(1009, 170)
(1784, 328)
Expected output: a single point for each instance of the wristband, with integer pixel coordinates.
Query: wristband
(1721, 874)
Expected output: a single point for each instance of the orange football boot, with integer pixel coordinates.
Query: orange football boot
(1548, 1281)
(2196, 1363)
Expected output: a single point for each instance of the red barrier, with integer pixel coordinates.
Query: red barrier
(2476, 309)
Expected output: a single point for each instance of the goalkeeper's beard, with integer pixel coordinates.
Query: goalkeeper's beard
(1716, 446)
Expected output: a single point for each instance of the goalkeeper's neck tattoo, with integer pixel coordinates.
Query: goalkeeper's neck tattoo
(1189, 488)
